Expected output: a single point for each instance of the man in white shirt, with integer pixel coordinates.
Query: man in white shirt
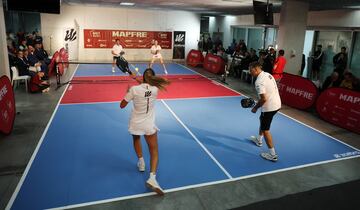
(116, 52)
(155, 51)
(270, 103)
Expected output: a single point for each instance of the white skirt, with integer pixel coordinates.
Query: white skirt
(146, 127)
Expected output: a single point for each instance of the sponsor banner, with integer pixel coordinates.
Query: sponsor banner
(179, 45)
(195, 58)
(71, 42)
(297, 92)
(340, 107)
(94, 38)
(214, 64)
(7, 105)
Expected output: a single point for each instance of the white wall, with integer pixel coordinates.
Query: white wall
(332, 18)
(118, 18)
(335, 18)
(4, 61)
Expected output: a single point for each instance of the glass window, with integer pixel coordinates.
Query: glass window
(355, 59)
(239, 33)
(255, 38)
(331, 42)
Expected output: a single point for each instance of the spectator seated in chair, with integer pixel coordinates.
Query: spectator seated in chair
(22, 65)
(41, 54)
(348, 80)
(331, 81)
(34, 61)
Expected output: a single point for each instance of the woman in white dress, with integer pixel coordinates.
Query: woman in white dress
(155, 51)
(142, 121)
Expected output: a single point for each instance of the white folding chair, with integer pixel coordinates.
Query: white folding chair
(247, 73)
(17, 78)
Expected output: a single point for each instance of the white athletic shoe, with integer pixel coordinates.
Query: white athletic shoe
(269, 156)
(256, 141)
(154, 186)
(113, 70)
(141, 166)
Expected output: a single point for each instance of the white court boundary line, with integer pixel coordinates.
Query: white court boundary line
(167, 99)
(202, 184)
(196, 185)
(197, 140)
(279, 111)
(19, 185)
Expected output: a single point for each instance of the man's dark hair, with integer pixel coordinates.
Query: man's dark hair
(343, 48)
(255, 64)
(281, 52)
(117, 40)
(320, 46)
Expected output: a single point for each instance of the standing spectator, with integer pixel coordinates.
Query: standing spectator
(279, 66)
(303, 63)
(340, 60)
(217, 42)
(200, 44)
(210, 45)
(272, 55)
(331, 81)
(317, 62)
(265, 61)
(232, 46)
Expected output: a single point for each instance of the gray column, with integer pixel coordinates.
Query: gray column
(4, 61)
(292, 27)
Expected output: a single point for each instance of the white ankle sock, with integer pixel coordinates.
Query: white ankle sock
(272, 151)
(141, 160)
(152, 175)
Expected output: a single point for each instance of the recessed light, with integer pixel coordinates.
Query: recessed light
(127, 3)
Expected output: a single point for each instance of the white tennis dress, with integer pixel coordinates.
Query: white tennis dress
(142, 120)
(158, 49)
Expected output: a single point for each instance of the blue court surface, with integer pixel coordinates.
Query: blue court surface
(105, 69)
(86, 154)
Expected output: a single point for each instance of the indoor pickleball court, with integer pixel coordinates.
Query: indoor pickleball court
(85, 155)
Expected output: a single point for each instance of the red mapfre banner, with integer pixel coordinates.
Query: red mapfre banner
(214, 64)
(297, 92)
(340, 107)
(7, 106)
(94, 38)
(195, 58)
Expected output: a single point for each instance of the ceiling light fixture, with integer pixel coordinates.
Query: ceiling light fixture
(127, 3)
(353, 7)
